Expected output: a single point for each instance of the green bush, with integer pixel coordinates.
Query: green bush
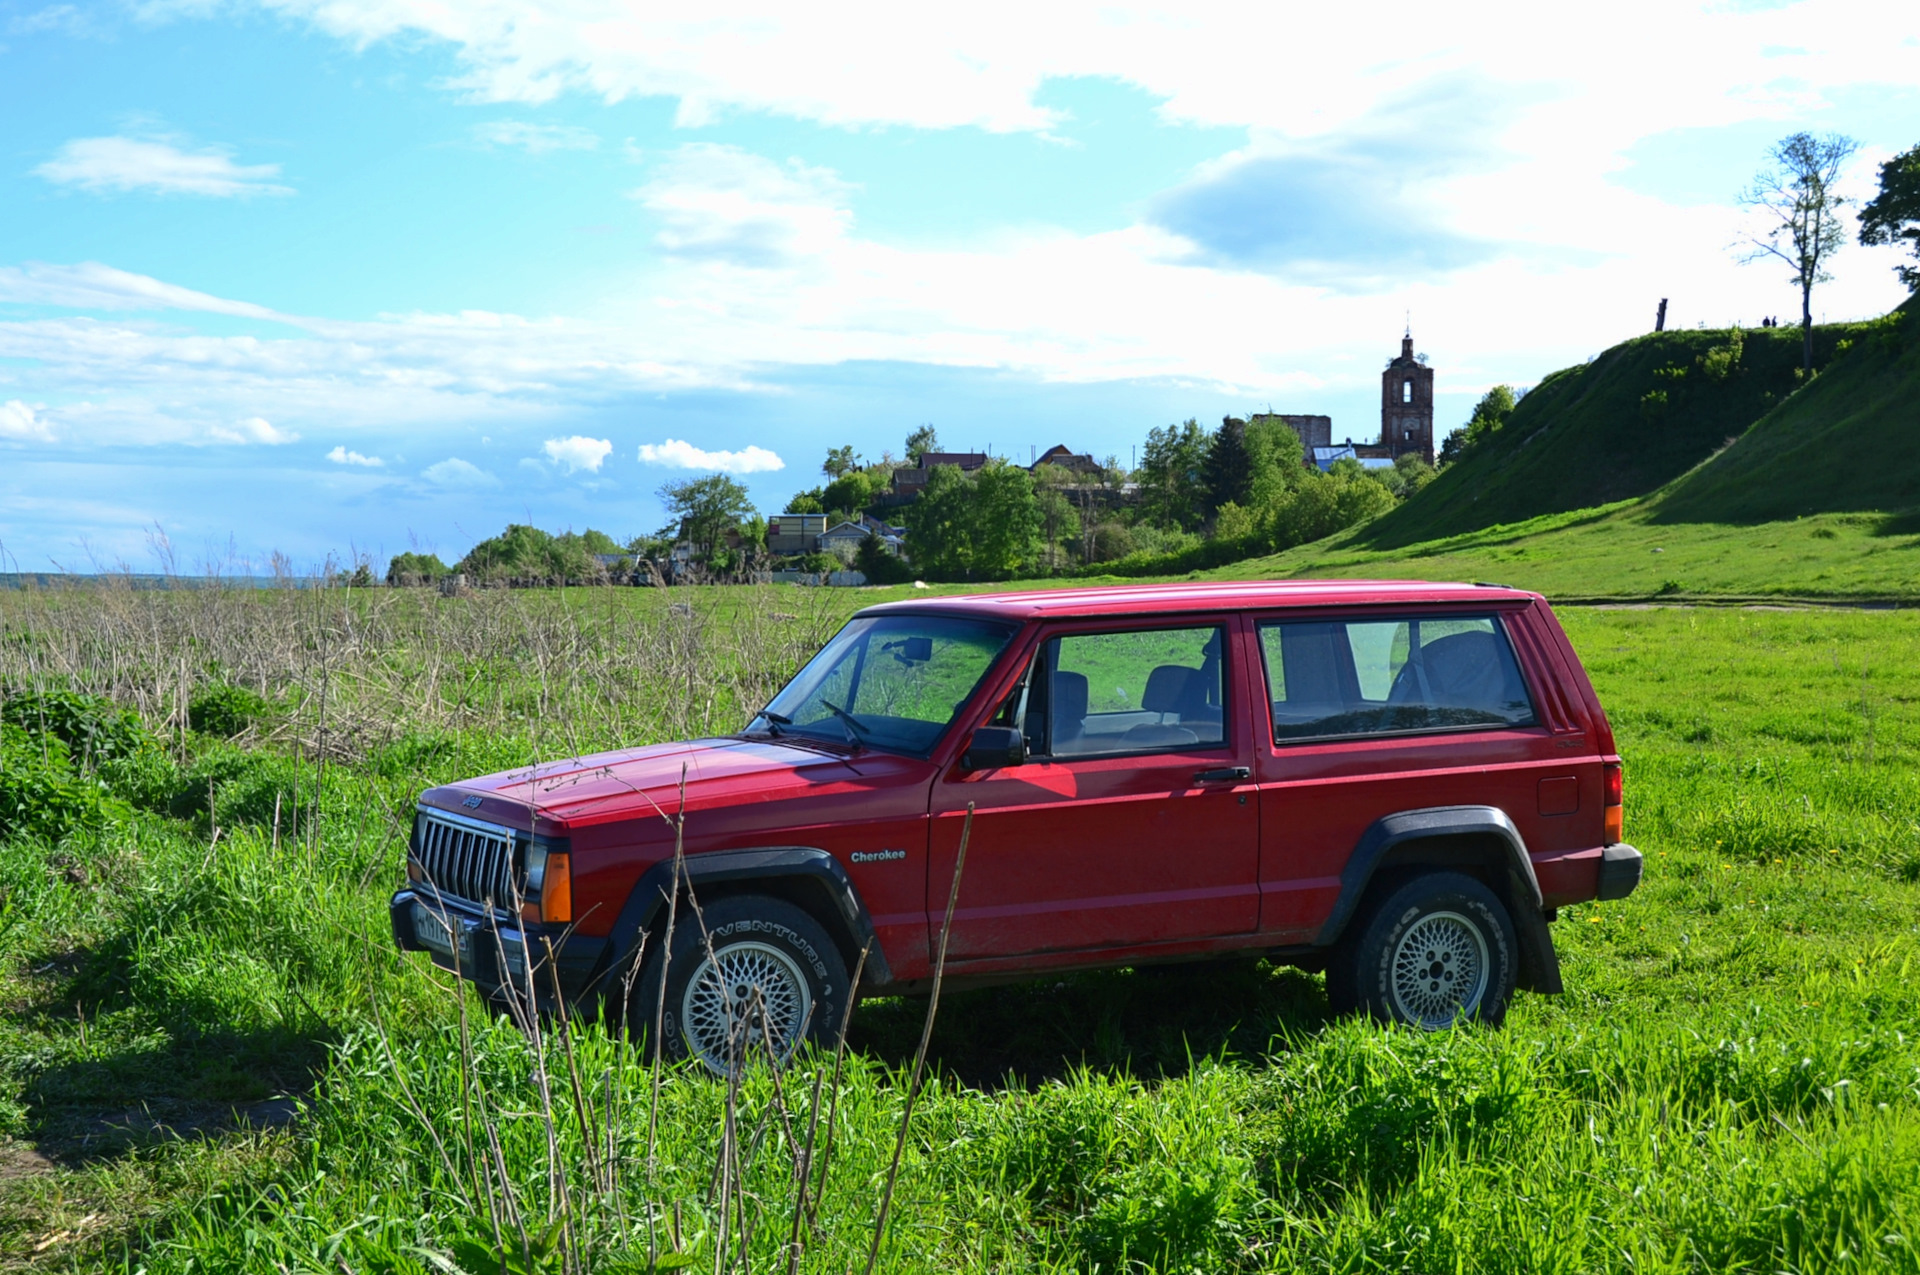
(93, 728)
(226, 711)
(43, 796)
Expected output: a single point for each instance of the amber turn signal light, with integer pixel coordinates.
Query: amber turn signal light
(556, 889)
(1613, 820)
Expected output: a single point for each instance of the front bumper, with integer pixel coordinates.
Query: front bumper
(1619, 872)
(498, 954)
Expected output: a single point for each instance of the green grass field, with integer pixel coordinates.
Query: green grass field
(1626, 552)
(1732, 1081)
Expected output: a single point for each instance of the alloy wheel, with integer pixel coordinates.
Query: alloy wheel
(1439, 970)
(750, 993)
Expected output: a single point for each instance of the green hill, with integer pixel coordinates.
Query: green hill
(1623, 425)
(1819, 499)
(1850, 441)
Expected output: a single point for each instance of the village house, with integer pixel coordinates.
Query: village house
(909, 479)
(1078, 463)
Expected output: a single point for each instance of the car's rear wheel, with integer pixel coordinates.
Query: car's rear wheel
(764, 978)
(1436, 950)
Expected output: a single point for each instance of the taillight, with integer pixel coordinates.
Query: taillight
(1613, 786)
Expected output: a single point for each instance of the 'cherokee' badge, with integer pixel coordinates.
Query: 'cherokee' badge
(877, 856)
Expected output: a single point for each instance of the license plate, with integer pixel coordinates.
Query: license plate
(432, 931)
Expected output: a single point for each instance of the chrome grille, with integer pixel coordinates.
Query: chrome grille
(464, 858)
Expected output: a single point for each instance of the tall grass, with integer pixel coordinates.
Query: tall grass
(1732, 1081)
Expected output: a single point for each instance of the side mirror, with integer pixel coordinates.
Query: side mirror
(994, 746)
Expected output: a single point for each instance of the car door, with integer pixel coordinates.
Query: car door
(1375, 713)
(1132, 821)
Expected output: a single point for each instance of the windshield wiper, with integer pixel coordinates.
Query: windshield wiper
(774, 721)
(847, 719)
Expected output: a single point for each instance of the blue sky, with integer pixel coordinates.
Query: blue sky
(327, 276)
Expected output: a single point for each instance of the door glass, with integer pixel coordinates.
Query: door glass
(1139, 691)
(1364, 677)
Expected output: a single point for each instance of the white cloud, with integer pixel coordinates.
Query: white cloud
(578, 452)
(254, 429)
(536, 139)
(1213, 61)
(676, 454)
(725, 204)
(341, 456)
(92, 286)
(454, 472)
(132, 163)
(23, 422)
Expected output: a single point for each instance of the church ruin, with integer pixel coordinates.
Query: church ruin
(1406, 404)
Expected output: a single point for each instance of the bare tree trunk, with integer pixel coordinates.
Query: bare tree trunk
(1806, 329)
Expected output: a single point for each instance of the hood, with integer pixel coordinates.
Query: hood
(644, 782)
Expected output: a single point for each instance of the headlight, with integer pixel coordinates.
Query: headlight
(536, 868)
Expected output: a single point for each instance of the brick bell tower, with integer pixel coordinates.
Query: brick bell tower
(1406, 404)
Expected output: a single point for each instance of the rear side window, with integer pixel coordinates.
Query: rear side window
(1115, 693)
(1392, 676)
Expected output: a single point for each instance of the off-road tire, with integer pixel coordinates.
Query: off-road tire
(787, 953)
(1436, 949)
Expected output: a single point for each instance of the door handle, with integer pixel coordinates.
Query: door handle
(1222, 775)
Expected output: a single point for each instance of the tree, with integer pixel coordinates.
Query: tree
(978, 526)
(920, 442)
(1275, 462)
(1058, 521)
(878, 564)
(598, 542)
(839, 461)
(1225, 472)
(416, 568)
(810, 501)
(523, 552)
(705, 509)
(1799, 206)
(1171, 475)
(1893, 216)
(1489, 414)
(1414, 472)
(851, 492)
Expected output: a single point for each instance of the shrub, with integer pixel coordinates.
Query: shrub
(42, 795)
(225, 711)
(94, 729)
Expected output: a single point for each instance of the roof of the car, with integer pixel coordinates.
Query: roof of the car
(1190, 596)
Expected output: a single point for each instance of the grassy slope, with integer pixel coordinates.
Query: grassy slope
(1730, 1082)
(1849, 441)
(1844, 451)
(1582, 437)
(1622, 552)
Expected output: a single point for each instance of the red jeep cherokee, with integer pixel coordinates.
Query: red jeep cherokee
(1396, 782)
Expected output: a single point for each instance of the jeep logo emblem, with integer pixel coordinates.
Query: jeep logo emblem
(877, 856)
(471, 803)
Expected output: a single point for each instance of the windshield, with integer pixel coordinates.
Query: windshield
(891, 682)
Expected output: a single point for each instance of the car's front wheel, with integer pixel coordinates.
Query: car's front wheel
(1436, 950)
(764, 977)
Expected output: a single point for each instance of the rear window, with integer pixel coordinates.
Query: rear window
(1392, 676)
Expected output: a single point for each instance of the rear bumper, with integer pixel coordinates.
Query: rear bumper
(493, 952)
(1619, 872)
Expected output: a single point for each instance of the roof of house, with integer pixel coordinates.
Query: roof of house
(965, 460)
(1204, 596)
(1059, 455)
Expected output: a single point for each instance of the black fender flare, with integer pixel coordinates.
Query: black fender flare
(1539, 964)
(645, 908)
